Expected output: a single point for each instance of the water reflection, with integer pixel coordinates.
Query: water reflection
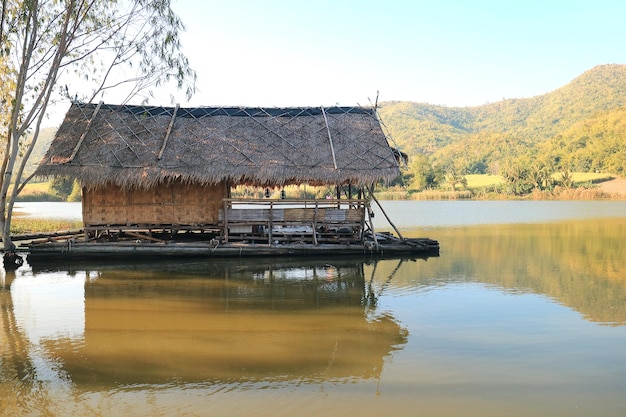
(509, 320)
(580, 264)
(205, 321)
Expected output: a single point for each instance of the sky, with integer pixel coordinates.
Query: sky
(278, 53)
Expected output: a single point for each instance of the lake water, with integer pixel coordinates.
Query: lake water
(522, 314)
(423, 214)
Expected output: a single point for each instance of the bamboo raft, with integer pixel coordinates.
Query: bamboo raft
(131, 246)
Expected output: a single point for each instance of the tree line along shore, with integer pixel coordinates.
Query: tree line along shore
(567, 185)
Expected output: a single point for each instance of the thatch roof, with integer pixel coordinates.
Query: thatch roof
(139, 146)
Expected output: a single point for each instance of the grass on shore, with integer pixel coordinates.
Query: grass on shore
(37, 191)
(475, 181)
(490, 187)
(22, 225)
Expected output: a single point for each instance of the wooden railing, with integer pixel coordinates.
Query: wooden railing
(283, 221)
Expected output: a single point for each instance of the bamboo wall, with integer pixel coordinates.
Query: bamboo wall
(173, 203)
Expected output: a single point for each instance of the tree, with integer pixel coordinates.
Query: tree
(539, 176)
(455, 177)
(516, 177)
(99, 45)
(421, 174)
(566, 179)
(62, 186)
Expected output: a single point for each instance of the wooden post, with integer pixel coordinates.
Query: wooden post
(367, 207)
(225, 220)
(361, 206)
(271, 223)
(315, 225)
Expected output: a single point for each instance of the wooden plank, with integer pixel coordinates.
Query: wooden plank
(302, 215)
(335, 215)
(247, 215)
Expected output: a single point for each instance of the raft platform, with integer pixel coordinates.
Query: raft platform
(69, 246)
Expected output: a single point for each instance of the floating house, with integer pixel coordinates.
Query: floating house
(155, 177)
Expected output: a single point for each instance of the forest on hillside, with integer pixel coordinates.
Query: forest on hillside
(580, 127)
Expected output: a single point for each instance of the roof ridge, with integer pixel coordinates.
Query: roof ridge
(232, 111)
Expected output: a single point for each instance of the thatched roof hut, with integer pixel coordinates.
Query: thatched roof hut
(140, 147)
(162, 167)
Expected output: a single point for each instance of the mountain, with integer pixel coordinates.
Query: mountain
(485, 136)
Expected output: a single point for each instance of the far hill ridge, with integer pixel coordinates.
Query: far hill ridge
(543, 126)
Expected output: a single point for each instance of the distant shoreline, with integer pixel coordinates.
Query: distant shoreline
(609, 189)
(614, 186)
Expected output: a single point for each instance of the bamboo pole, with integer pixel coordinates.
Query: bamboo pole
(384, 213)
(142, 236)
(330, 138)
(50, 239)
(168, 133)
(82, 137)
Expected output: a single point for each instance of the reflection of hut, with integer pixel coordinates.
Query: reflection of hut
(146, 169)
(261, 323)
